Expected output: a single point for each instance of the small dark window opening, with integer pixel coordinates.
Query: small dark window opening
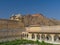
(47, 38)
(33, 36)
(38, 36)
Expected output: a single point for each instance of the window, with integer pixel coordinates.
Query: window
(33, 36)
(42, 36)
(27, 35)
(48, 37)
(38, 36)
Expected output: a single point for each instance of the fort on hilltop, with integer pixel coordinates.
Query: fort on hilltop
(30, 27)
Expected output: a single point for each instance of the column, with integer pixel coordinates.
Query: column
(35, 37)
(45, 37)
(52, 38)
(29, 37)
(40, 37)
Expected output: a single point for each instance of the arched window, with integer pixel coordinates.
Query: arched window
(27, 35)
(48, 37)
(23, 35)
(56, 37)
(59, 38)
(43, 37)
(33, 36)
(38, 36)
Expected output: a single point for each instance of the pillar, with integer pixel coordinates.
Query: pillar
(45, 37)
(52, 38)
(40, 37)
(35, 36)
(29, 37)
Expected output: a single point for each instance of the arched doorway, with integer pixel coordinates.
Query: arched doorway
(42, 37)
(56, 38)
(33, 36)
(27, 35)
(48, 37)
(38, 36)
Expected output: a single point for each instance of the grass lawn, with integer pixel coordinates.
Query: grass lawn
(18, 42)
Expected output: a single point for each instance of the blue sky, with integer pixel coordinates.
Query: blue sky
(49, 8)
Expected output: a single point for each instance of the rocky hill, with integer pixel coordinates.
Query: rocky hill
(38, 19)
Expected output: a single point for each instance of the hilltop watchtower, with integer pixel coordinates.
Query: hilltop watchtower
(17, 17)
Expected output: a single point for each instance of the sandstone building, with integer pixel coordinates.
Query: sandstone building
(11, 29)
(30, 27)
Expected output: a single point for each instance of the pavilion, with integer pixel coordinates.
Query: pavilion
(49, 34)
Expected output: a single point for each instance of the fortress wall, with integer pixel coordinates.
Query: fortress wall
(10, 28)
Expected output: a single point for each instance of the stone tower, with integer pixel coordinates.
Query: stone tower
(17, 17)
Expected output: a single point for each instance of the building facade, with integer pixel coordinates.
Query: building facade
(49, 34)
(14, 28)
(11, 29)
